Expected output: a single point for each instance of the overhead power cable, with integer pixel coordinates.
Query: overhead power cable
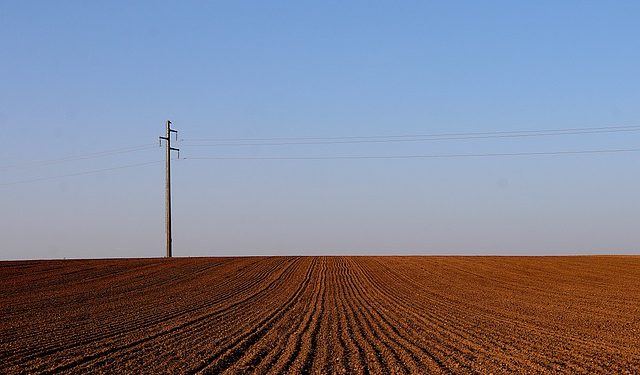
(397, 140)
(433, 156)
(95, 171)
(93, 155)
(472, 135)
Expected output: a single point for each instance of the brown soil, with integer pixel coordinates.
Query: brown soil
(371, 315)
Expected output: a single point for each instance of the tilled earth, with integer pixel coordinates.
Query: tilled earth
(372, 315)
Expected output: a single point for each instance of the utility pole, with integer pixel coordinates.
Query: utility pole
(168, 184)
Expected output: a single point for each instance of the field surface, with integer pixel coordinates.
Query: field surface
(372, 315)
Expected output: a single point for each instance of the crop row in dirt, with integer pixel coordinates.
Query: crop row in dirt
(363, 315)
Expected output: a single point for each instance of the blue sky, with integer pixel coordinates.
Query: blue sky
(80, 77)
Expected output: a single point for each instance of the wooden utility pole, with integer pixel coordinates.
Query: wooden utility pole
(168, 184)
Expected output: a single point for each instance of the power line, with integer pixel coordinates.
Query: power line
(432, 135)
(397, 140)
(95, 171)
(433, 156)
(94, 155)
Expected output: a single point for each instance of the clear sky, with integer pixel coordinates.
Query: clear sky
(79, 77)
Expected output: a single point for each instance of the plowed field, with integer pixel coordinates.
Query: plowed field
(372, 315)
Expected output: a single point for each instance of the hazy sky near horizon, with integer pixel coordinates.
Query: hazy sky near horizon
(80, 77)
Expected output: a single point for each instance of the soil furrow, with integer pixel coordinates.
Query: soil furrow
(360, 315)
(228, 355)
(165, 332)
